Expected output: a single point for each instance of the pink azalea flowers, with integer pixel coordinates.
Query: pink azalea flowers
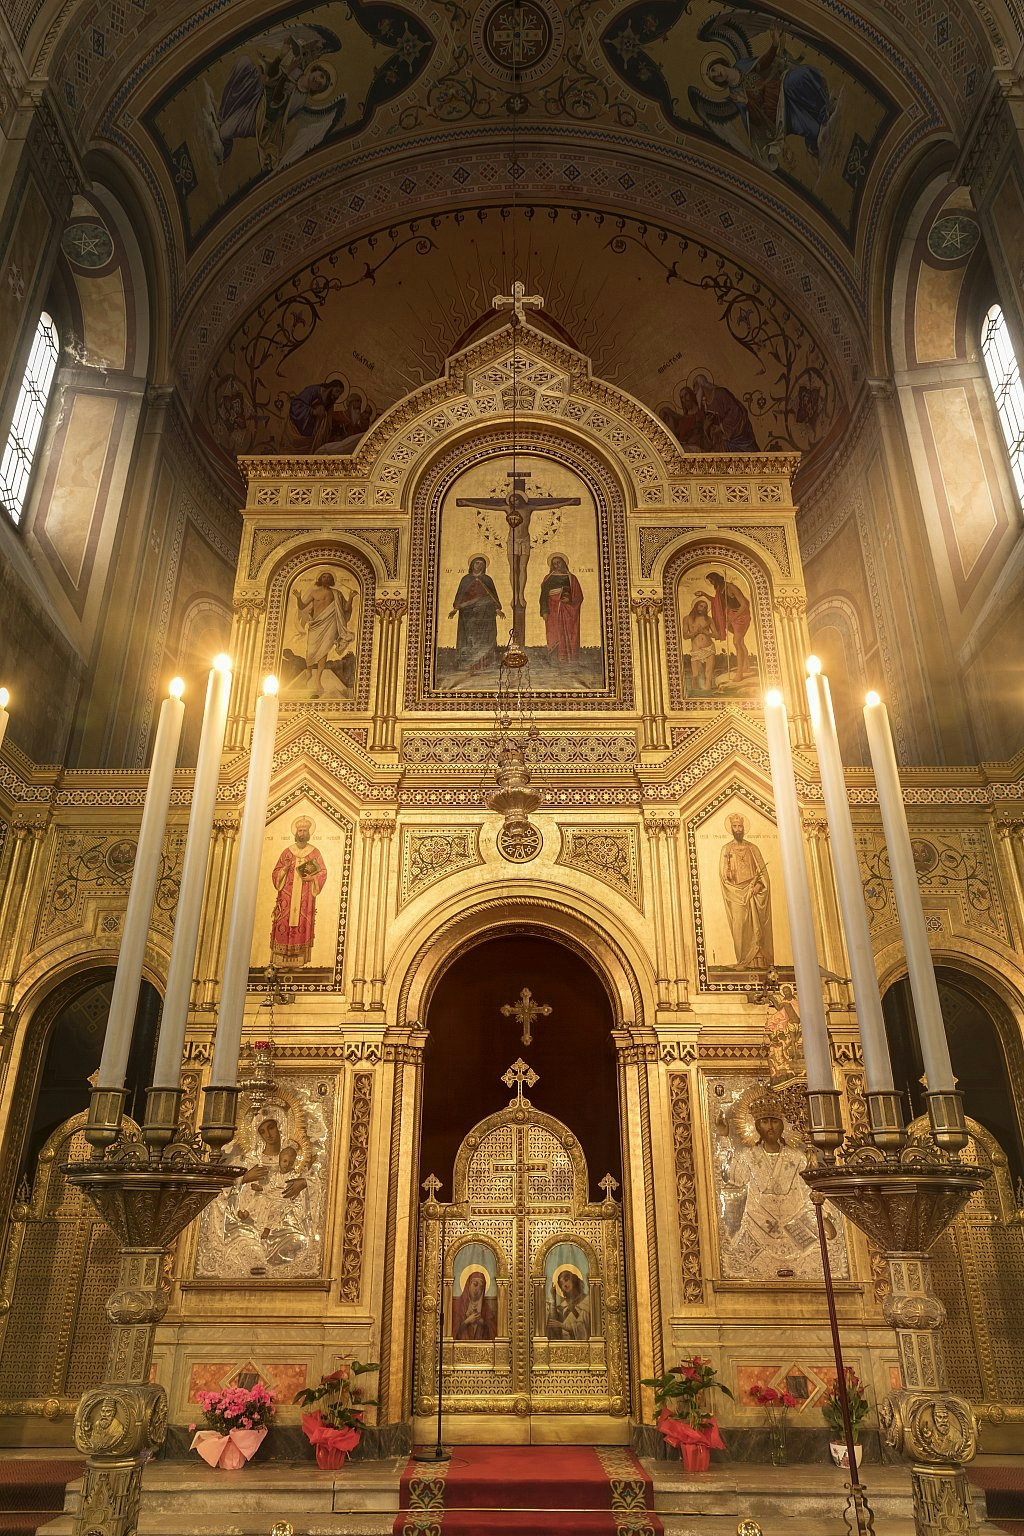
(238, 1407)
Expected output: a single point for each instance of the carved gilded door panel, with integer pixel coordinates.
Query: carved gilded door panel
(530, 1276)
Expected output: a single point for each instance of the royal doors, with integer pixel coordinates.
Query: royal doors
(531, 1290)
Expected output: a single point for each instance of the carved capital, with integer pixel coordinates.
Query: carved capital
(248, 608)
(661, 823)
(816, 826)
(792, 603)
(390, 605)
(375, 824)
(647, 605)
(226, 824)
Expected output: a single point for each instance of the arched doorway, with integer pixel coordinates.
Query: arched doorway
(60, 1260)
(985, 1049)
(523, 1236)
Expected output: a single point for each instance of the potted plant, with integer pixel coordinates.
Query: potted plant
(238, 1419)
(776, 1407)
(335, 1426)
(685, 1419)
(832, 1409)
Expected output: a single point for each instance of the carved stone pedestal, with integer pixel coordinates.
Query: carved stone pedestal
(147, 1201)
(904, 1203)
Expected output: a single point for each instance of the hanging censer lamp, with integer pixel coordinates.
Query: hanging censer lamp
(514, 732)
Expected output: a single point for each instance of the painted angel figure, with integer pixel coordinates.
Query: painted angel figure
(283, 93)
(756, 101)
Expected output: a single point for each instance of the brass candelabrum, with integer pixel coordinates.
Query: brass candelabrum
(903, 1192)
(148, 1188)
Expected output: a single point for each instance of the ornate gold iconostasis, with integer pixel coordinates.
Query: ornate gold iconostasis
(657, 594)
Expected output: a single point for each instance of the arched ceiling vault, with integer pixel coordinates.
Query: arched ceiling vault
(357, 134)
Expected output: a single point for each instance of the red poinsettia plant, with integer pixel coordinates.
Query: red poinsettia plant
(682, 1397)
(776, 1404)
(336, 1424)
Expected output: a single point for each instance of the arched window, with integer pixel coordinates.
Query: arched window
(1007, 389)
(26, 425)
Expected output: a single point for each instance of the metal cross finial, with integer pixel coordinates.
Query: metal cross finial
(518, 301)
(609, 1185)
(432, 1185)
(518, 1074)
(526, 1010)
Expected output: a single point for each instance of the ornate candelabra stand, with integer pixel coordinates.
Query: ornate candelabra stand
(904, 1200)
(147, 1191)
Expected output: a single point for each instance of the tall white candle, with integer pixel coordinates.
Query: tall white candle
(5, 699)
(813, 1026)
(193, 878)
(931, 1030)
(145, 875)
(224, 1073)
(877, 1066)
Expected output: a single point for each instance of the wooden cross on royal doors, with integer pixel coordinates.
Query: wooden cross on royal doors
(526, 1011)
(518, 301)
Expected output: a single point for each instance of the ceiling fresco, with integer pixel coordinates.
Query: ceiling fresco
(724, 362)
(233, 122)
(774, 94)
(247, 112)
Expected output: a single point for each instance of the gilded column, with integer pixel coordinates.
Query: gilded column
(383, 828)
(369, 859)
(403, 1065)
(1011, 838)
(215, 917)
(794, 646)
(637, 1060)
(17, 919)
(662, 828)
(389, 609)
(833, 955)
(647, 607)
(248, 613)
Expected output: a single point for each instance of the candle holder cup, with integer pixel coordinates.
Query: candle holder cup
(825, 1120)
(946, 1117)
(220, 1115)
(904, 1202)
(106, 1112)
(885, 1117)
(148, 1193)
(163, 1106)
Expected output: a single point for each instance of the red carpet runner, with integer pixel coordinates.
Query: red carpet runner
(495, 1490)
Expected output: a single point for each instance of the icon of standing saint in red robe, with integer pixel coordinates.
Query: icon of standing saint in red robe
(561, 598)
(298, 877)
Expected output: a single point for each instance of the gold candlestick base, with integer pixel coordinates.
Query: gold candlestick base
(147, 1201)
(904, 1203)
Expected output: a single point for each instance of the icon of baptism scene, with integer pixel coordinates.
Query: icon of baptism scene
(519, 556)
(767, 1228)
(319, 633)
(742, 903)
(271, 1222)
(716, 624)
(299, 896)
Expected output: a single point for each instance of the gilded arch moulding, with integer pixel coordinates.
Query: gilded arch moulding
(522, 914)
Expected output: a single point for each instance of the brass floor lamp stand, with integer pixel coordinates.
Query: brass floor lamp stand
(147, 1194)
(904, 1202)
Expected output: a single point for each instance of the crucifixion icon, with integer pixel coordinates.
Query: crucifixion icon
(518, 301)
(526, 1011)
(518, 508)
(518, 1074)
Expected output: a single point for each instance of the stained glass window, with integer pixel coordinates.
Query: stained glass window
(26, 425)
(1007, 389)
